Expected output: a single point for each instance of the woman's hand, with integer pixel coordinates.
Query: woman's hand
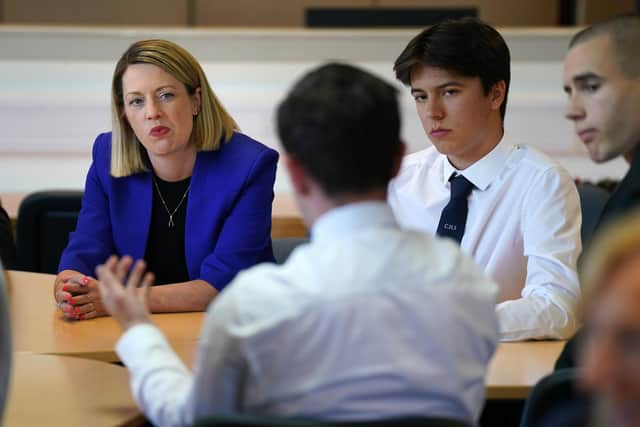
(78, 296)
(128, 304)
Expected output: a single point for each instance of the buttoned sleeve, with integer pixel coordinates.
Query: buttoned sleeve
(551, 221)
(160, 383)
(164, 388)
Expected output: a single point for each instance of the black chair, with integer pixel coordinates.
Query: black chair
(282, 247)
(555, 401)
(7, 241)
(257, 421)
(45, 220)
(592, 201)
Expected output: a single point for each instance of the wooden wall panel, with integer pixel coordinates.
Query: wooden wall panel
(496, 12)
(86, 12)
(283, 13)
(520, 13)
(290, 13)
(592, 11)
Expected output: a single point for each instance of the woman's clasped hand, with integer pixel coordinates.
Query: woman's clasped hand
(78, 296)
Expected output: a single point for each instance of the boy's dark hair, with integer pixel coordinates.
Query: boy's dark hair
(466, 46)
(343, 125)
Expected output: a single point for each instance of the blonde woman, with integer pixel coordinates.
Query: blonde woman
(175, 184)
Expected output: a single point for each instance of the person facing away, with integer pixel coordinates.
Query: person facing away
(601, 77)
(175, 183)
(367, 321)
(512, 208)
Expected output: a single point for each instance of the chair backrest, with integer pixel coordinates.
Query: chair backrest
(283, 246)
(45, 220)
(5, 342)
(592, 201)
(258, 421)
(555, 397)
(7, 241)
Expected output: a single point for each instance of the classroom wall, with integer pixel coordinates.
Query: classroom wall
(96, 12)
(283, 13)
(590, 11)
(249, 13)
(290, 13)
(55, 86)
(537, 13)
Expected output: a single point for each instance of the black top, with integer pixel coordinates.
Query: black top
(165, 246)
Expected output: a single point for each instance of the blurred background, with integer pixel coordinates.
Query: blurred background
(306, 13)
(57, 56)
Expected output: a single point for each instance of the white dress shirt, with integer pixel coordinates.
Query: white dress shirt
(523, 229)
(367, 321)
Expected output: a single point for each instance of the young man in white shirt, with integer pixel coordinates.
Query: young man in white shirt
(367, 321)
(521, 220)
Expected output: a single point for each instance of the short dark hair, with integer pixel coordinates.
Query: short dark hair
(624, 35)
(466, 46)
(343, 125)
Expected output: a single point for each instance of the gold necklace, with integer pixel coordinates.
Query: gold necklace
(171, 224)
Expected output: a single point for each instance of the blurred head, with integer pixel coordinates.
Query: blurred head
(610, 352)
(602, 80)
(342, 125)
(459, 73)
(199, 119)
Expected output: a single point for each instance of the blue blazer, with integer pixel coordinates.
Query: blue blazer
(228, 222)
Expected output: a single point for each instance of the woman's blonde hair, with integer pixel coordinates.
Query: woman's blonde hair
(211, 126)
(612, 246)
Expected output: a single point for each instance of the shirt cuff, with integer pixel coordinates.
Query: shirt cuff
(136, 343)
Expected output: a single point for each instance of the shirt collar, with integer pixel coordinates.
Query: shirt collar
(485, 170)
(350, 218)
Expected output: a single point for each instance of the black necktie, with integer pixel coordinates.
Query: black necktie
(454, 215)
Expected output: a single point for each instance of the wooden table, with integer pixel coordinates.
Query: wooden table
(39, 327)
(517, 366)
(286, 220)
(55, 390)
